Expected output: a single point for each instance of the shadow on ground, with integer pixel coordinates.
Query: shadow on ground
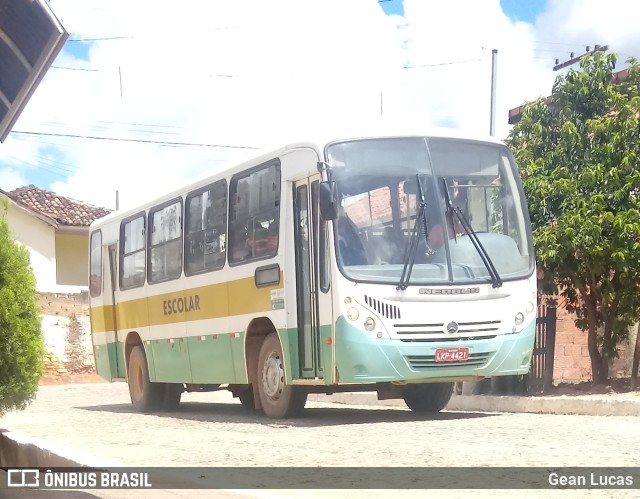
(311, 416)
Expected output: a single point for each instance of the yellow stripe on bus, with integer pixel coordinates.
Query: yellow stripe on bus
(205, 302)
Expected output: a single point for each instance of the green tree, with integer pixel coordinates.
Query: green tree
(579, 158)
(21, 342)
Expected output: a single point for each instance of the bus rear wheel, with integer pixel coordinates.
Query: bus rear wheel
(279, 400)
(145, 395)
(172, 393)
(427, 397)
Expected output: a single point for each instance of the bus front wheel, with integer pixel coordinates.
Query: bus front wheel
(246, 399)
(145, 395)
(427, 397)
(279, 400)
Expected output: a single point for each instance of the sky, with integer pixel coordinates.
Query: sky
(150, 94)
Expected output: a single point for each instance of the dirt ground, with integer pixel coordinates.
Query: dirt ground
(617, 385)
(70, 379)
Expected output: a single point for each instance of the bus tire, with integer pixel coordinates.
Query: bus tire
(247, 400)
(427, 397)
(145, 395)
(279, 400)
(171, 396)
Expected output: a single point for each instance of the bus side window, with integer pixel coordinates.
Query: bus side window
(165, 241)
(132, 252)
(206, 229)
(95, 267)
(254, 212)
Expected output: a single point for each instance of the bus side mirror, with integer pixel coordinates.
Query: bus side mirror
(328, 201)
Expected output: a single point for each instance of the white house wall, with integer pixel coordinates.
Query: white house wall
(40, 239)
(72, 259)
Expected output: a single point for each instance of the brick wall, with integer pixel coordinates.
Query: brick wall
(67, 334)
(572, 361)
(64, 304)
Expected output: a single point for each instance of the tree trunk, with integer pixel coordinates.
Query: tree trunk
(636, 360)
(599, 363)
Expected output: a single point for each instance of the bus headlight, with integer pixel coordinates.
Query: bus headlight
(353, 314)
(519, 318)
(369, 324)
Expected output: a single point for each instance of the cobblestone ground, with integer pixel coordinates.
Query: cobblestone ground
(214, 430)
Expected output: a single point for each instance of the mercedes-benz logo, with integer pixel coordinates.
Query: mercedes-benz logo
(452, 327)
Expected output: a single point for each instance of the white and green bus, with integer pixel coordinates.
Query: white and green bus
(395, 264)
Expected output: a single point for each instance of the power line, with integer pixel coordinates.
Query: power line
(42, 167)
(54, 163)
(121, 139)
(573, 59)
(107, 38)
(74, 69)
(450, 63)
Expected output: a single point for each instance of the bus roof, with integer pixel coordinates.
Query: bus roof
(373, 130)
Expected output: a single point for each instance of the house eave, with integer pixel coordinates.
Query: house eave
(72, 230)
(48, 220)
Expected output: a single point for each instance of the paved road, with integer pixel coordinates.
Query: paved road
(96, 421)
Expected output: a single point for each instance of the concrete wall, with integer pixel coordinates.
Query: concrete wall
(20, 451)
(72, 259)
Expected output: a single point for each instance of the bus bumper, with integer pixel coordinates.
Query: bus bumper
(362, 359)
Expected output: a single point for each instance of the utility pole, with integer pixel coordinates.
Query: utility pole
(494, 70)
(573, 59)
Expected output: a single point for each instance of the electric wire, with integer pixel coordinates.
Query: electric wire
(123, 139)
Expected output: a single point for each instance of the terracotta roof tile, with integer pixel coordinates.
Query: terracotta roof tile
(65, 211)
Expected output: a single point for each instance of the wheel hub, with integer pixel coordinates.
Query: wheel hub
(273, 377)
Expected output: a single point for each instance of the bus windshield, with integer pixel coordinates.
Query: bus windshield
(377, 181)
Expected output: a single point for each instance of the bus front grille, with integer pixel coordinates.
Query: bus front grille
(385, 309)
(476, 329)
(447, 338)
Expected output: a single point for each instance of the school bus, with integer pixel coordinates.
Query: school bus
(399, 264)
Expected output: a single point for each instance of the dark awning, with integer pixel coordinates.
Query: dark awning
(30, 39)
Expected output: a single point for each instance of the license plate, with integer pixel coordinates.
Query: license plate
(452, 354)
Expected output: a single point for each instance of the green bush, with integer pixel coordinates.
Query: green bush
(21, 342)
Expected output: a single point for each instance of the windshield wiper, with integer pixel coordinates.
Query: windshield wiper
(419, 227)
(496, 281)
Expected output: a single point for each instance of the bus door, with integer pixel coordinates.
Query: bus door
(313, 305)
(113, 273)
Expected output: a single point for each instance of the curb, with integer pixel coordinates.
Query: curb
(563, 404)
(20, 451)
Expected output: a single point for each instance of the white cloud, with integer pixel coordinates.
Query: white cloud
(254, 73)
(11, 179)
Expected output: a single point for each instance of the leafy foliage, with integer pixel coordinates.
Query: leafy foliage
(21, 342)
(579, 159)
